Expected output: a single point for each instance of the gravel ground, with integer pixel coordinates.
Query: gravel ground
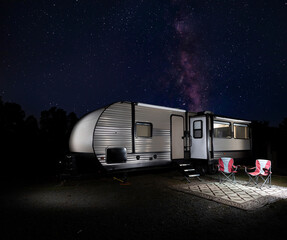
(146, 208)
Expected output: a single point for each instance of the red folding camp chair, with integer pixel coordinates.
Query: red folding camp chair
(262, 170)
(226, 168)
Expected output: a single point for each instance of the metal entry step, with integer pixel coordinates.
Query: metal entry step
(187, 169)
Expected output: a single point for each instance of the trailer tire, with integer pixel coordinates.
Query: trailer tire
(212, 169)
(201, 169)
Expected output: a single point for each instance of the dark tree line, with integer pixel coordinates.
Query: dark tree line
(32, 148)
(270, 143)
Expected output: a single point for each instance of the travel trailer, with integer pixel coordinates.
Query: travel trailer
(128, 135)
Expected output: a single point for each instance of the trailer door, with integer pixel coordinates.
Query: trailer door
(198, 141)
(177, 137)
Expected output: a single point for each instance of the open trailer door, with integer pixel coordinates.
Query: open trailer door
(177, 137)
(198, 137)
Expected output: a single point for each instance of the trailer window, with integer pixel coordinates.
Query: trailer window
(197, 129)
(241, 131)
(222, 129)
(143, 129)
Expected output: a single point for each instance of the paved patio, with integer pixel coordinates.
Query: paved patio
(235, 194)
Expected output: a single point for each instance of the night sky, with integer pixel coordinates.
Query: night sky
(228, 57)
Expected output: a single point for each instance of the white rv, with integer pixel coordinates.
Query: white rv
(127, 135)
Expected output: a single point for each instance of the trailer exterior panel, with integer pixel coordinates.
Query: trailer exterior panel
(127, 135)
(81, 139)
(231, 138)
(142, 130)
(160, 120)
(114, 128)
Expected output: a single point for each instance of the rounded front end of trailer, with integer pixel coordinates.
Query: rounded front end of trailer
(81, 139)
(82, 159)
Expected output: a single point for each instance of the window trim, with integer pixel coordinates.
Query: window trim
(201, 127)
(241, 125)
(146, 124)
(223, 122)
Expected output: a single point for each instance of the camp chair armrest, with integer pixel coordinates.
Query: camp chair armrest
(236, 167)
(249, 168)
(266, 170)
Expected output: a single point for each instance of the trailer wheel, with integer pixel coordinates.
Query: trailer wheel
(212, 169)
(201, 169)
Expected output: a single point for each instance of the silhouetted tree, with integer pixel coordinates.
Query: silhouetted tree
(32, 146)
(268, 143)
(11, 137)
(283, 125)
(55, 128)
(32, 150)
(12, 117)
(282, 143)
(259, 138)
(72, 119)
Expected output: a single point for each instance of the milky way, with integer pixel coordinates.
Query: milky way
(225, 56)
(187, 73)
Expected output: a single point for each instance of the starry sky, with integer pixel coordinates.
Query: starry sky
(226, 56)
